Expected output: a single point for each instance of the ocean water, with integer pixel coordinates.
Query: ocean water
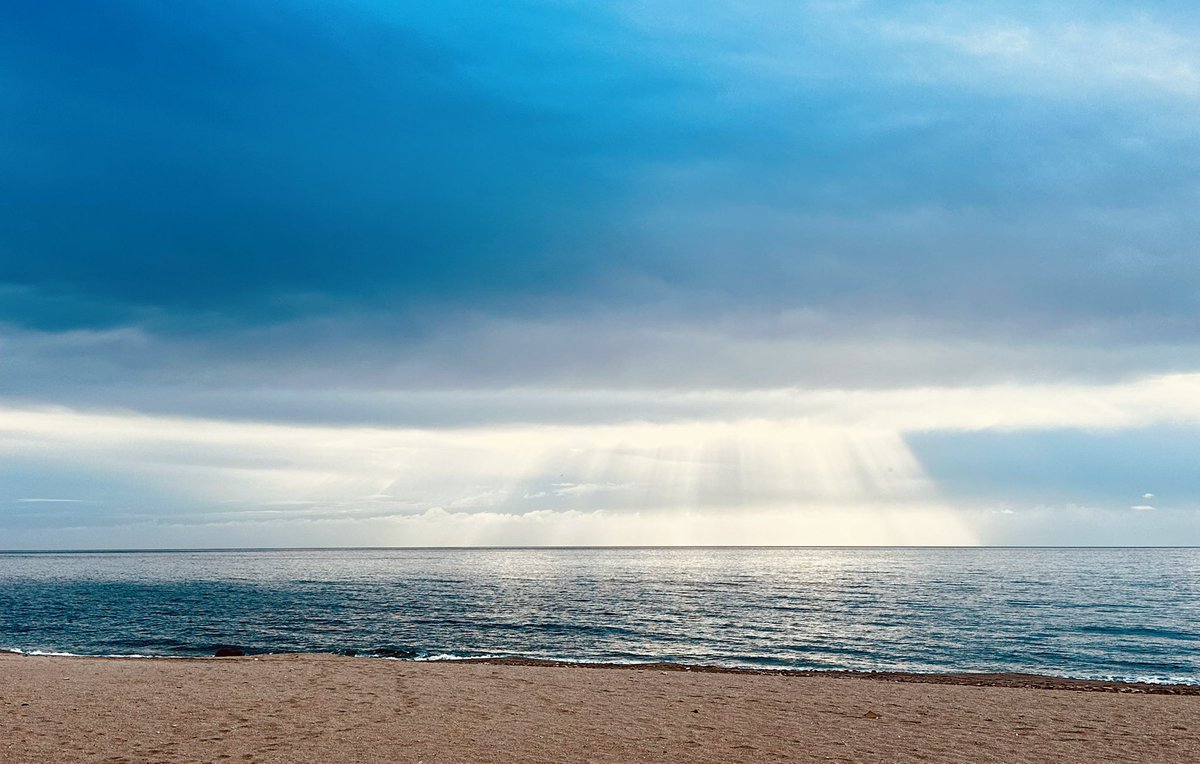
(1096, 613)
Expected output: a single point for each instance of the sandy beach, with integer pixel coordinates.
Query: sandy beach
(287, 708)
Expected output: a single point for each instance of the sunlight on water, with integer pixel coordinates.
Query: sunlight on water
(1128, 613)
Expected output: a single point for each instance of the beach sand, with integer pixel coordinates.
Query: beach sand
(324, 708)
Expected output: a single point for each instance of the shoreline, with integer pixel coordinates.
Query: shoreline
(963, 678)
(959, 678)
(324, 707)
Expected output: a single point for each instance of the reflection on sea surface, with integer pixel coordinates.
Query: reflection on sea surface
(1130, 613)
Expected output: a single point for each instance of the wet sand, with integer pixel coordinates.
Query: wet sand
(289, 708)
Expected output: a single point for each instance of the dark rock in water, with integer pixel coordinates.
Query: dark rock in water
(392, 652)
(349, 652)
(228, 651)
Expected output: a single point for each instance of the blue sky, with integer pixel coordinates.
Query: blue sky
(549, 272)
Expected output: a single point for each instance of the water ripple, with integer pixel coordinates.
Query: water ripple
(1099, 613)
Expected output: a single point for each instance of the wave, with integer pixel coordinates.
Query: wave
(443, 657)
(65, 654)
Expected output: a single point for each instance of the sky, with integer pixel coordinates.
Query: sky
(298, 273)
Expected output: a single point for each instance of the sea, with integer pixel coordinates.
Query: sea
(1131, 614)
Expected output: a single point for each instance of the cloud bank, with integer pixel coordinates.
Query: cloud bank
(526, 274)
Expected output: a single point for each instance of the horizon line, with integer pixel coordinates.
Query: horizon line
(566, 547)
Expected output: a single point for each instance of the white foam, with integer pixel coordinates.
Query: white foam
(58, 654)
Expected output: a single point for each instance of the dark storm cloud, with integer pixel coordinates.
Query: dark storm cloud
(199, 167)
(266, 159)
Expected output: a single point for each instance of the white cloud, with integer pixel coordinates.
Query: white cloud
(50, 501)
(741, 460)
(1133, 56)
